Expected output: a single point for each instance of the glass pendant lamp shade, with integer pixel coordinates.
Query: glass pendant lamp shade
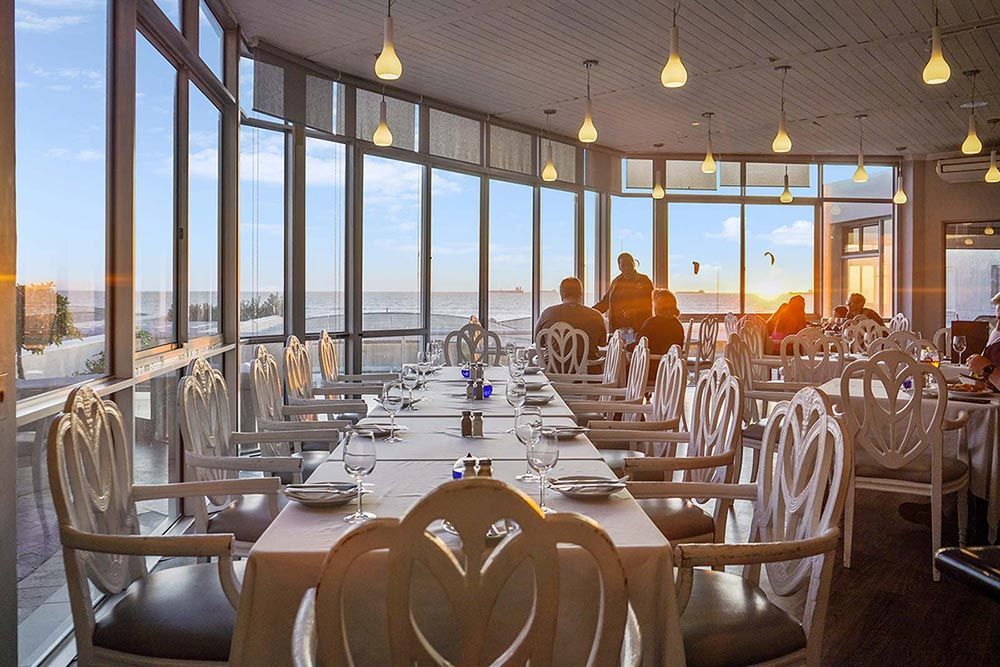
(993, 174)
(786, 194)
(782, 142)
(860, 175)
(658, 192)
(388, 65)
(900, 196)
(972, 145)
(382, 135)
(674, 74)
(549, 173)
(708, 166)
(588, 132)
(936, 70)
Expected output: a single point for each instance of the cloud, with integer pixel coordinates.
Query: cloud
(25, 19)
(799, 233)
(730, 230)
(204, 164)
(84, 155)
(63, 4)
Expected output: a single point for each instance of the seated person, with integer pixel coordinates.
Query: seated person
(856, 306)
(987, 364)
(663, 329)
(574, 313)
(840, 312)
(789, 320)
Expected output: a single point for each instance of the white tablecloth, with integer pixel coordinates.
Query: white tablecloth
(448, 400)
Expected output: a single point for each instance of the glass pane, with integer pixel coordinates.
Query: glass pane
(157, 439)
(381, 355)
(632, 231)
(563, 158)
(510, 149)
(637, 175)
(852, 240)
(204, 215)
(511, 210)
(972, 270)
(779, 256)
(454, 250)
(60, 172)
(767, 179)
(852, 228)
(391, 244)
(209, 39)
(455, 137)
(558, 254)
(838, 181)
(590, 291)
(400, 116)
(869, 238)
(686, 176)
(156, 83)
(707, 235)
(172, 8)
(248, 420)
(325, 225)
(262, 232)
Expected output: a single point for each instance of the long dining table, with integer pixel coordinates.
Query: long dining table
(289, 556)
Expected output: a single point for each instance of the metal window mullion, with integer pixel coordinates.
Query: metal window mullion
(355, 247)
(579, 238)
(425, 258)
(484, 249)
(295, 232)
(743, 257)
(229, 243)
(182, 230)
(659, 234)
(536, 252)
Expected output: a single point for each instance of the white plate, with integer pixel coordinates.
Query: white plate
(532, 370)
(538, 399)
(535, 385)
(565, 432)
(382, 430)
(332, 494)
(969, 394)
(589, 486)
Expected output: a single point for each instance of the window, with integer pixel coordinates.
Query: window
(632, 231)
(766, 179)
(172, 8)
(210, 39)
(156, 450)
(591, 200)
(510, 150)
(703, 256)
(400, 116)
(383, 355)
(61, 227)
(637, 175)
(262, 232)
(454, 250)
(838, 181)
(156, 84)
(857, 251)
(779, 256)
(325, 225)
(391, 267)
(558, 252)
(511, 211)
(455, 137)
(686, 177)
(204, 214)
(972, 262)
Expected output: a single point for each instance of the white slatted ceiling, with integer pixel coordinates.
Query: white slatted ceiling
(513, 58)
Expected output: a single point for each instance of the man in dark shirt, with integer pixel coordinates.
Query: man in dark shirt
(574, 313)
(628, 301)
(856, 306)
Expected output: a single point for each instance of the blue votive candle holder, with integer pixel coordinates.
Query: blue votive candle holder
(487, 390)
(466, 373)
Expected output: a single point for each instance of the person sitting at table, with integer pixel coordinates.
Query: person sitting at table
(840, 312)
(987, 364)
(856, 306)
(789, 320)
(573, 312)
(663, 329)
(628, 300)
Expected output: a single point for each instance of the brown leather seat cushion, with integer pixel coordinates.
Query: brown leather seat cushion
(917, 471)
(310, 461)
(729, 621)
(178, 613)
(754, 433)
(246, 517)
(677, 518)
(615, 458)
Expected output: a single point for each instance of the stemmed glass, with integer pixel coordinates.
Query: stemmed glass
(849, 335)
(517, 363)
(543, 454)
(528, 429)
(392, 401)
(959, 343)
(359, 461)
(424, 358)
(437, 352)
(517, 392)
(409, 377)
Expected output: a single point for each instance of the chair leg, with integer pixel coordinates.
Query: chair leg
(935, 531)
(754, 465)
(963, 515)
(849, 523)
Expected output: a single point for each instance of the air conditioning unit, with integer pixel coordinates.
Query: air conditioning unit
(963, 169)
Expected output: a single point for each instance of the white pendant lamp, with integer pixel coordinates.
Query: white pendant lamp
(388, 65)
(782, 142)
(588, 132)
(382, 135)
(972, 145)
(658, 191)
(674, 74)
(993, 174)
(936, 70)
(549, 173)
(786, 194)
(900, 196)
(860, 175)
(708, 164)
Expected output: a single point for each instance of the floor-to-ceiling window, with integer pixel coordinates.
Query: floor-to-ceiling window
(510, 261)
(204, 214)
(632, 231)
(972, 269)
(454, 261)
(325, 225)
(558, 238)
(780, 258)
(703, 256)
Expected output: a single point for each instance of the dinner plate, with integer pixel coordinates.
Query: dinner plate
(381, 430)
(969, 394)
(407, 403)
(532, 370)
(586, 486)
(327, 494)
(536, 385)
(538, 399)
(565, 432)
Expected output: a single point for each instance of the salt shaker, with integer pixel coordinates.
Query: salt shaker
(466, 424)
(485, 468)
(478, 395)
(477, 424)
(469, 466)
(470, 389)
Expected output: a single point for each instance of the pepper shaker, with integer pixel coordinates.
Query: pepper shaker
(477, 424)
(469, 466)
(470, 390)
(485, 468)
(466, 424)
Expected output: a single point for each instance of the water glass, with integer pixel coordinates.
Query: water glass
(528, 430)
(959, 343)
(517, 393)
(392, 402)
(359, 462)
(543, 454)
(409, 377)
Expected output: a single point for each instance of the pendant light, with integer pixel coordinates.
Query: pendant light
(972, 145)
(900, 196)
(549, 173)
(387, 65)
(658, 191)
(782, 142)
(382, 135)
(708, 165)
(588, 133)
(993, 174)
(860, 175)
(936, 70)
(674, 74)
(786, 194)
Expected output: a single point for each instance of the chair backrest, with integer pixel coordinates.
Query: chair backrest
(203, 413)
(614, 361)
(472, 580)
(811, 333)
(265, 389)
(894, 425)
(298, 369)
(708, 336)
(472, 343)
(904, 341)
(752, 322)
(942, 341)
(638, 376)
(862, 332)
(670, 386)
(731, 323)
(716, 422)
(329, 365)
(812, 359)
(741, 365)
(899, 323)
(564, 349)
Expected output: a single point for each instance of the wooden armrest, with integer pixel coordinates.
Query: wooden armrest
(960, 421)
(611, 434)
(348, 388)
(691, 555)
(670, 463)
(313, 406)
(220, 545)
(367, 377)
(571, 377)
(693, 490)
(612, 392)
(784, 386)
(618, 407)
(221, 487)
(326, 434)
(246, 463)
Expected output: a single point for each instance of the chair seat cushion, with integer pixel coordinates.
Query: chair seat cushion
(677, 518)
(310, 461)
(178, 613)
(753, 434)
(729, 621)
(615, 458)
(246, 517)
(919, 470)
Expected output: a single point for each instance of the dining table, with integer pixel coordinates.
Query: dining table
(288, 558)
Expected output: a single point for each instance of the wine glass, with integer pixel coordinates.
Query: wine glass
(437, 350)
(517, 393)
(516, 363)
(409, 377)
(528, 429)
(930, 355)
(424, 365)
(392, 402)
(849, 335)
(359, 461)
(959, 343)
(543, 454)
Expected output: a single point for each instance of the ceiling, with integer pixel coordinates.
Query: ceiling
(514, 58)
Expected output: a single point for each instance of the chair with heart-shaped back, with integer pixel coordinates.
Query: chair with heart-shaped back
(704, 347)
(614, 376)
(899, 322)
(812, 359)
(301, 390)
(329, 369)
(473, 343)
(731, 323)
(904, 341)
(181, 615)
(471, 578)
(564, 351)
(898, 435)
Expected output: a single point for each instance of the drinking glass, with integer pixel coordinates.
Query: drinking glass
(517, 392)
(437, 349)
(931, 356)
(528, 429)
(359, 461)
(543, 454)
(409, 377)
(959, 343)
(424, 365)
(850, 335)
(392, 402)
(517, 363)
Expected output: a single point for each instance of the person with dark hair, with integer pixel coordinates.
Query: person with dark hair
(840, 312)
(573, 312)
(663, 329)
(856, 306)
(789, 320)
(628, 301)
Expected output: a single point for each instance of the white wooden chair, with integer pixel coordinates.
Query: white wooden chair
(899, 323)
(731, 322)
(899, 441)
(861, 332)
(211, 453)
(179, 616)
(903, 341)
(300, 390)
(942, 341)
(811, 333)
(812, 359)
(704, 346)
(471, 344)
(329, 368)
(564, 350)
(614, 376)
(727, 618)
(470, 581)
